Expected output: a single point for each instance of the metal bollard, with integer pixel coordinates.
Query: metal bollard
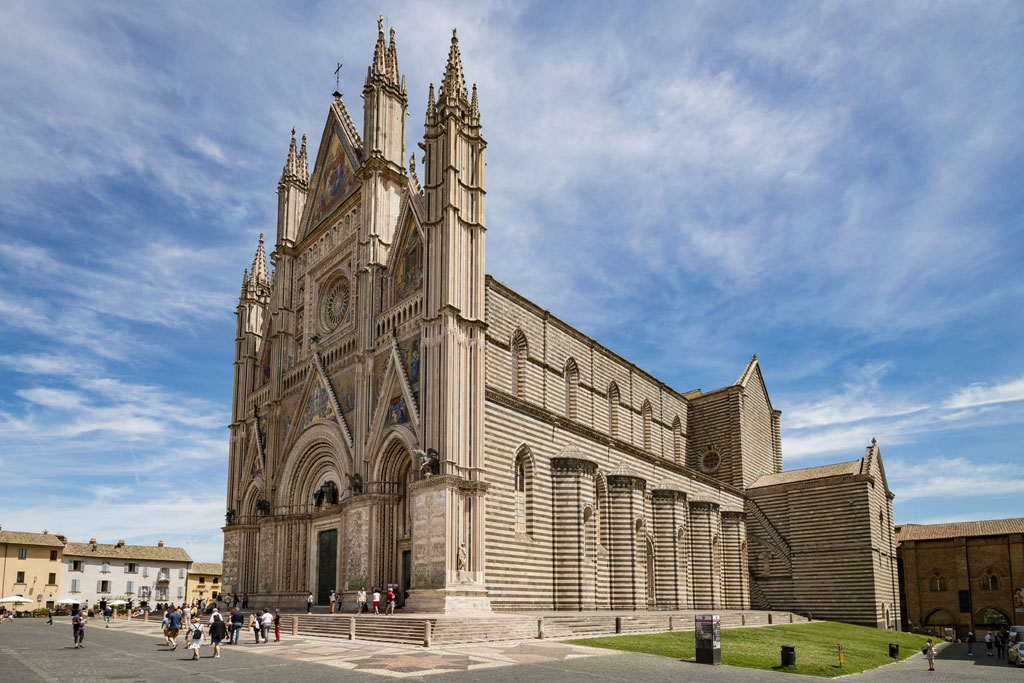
(295, 625)
(743, 620)
(426, 633)
(618, 624)
(769, 618)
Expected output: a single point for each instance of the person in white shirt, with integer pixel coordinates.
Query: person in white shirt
(361, 600)
(376, 601)
(268, 621)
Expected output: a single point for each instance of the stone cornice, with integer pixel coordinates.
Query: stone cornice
(574, 465)
(704, 505)
(626, 481)
(734, 515)
(668, 495)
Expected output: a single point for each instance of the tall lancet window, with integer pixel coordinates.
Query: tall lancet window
(613, 409)
(572, 381)
(519, 357)
(648, 416)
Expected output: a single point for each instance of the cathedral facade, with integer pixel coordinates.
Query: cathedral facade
(399, 417)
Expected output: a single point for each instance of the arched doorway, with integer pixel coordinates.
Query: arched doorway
(393, 475)
(938, 621)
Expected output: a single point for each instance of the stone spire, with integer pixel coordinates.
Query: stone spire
(380, 62)
(245, 282)
(453, 89)
(431, 104)
(474, 107)
(295, 165)
(259, 264)
(392, 58)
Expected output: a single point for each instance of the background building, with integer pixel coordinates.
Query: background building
(31, 567)
(965, 575)
(204, 581)
(401, 418)
(100, 571)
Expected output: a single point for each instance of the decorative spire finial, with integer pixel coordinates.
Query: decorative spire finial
(754, 357)
(454, 86)
(873, 442)
(259, 265)
(380, 24)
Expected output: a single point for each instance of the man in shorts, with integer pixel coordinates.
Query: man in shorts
(391, 602)
(361, 600)
(108, 612)
(376, 601)
(173, 625)
(78, 628)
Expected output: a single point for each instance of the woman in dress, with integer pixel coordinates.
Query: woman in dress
(929, 653)
(195, 638)
(218, 632)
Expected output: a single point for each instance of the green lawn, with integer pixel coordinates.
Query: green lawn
(816, 643)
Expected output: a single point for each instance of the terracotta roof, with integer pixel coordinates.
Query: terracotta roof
(807, 474)
(29, 538)
(990, 527)
(128, 552)
(206, 568)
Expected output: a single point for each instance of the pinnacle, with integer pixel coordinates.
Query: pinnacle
(259, 264)
(474, 107)
(454, 85)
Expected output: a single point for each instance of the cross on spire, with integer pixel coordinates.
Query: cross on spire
(337, 80)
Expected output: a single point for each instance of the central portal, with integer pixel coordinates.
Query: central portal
(327, 565)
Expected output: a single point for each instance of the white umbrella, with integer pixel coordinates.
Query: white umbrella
(15, 598)
(68, 601)
(117, 602)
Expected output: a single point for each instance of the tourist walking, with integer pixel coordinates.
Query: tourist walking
(108, 612)
(218, 631)
(391, 602)
(988, 644)
(361, 600)
(970, 643)
(1001, 644)
(376, 601)
(49, 617)
(245, 601)
(195, 638)
(277, 626)
(929, 652)
(254, 624)
(237, 621)
(174, 620)
(332, 598)
(268, 621)
(78, 628)
(309, 603)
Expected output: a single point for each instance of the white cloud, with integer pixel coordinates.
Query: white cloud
(981, 394)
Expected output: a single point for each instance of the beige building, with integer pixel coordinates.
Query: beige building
(204, 581)
(968, 576)
(401, 417)
(118, 571)
(31, 567)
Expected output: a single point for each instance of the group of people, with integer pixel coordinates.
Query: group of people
(998, 642)
(218, 628)
(362, 604)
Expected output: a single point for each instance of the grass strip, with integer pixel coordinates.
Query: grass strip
(817, 652)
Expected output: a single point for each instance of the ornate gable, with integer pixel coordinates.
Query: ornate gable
(334, 175)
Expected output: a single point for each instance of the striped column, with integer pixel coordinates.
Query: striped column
(705, 554)
(627, 545)
(734, 560)
(572, 487)
(673, 548)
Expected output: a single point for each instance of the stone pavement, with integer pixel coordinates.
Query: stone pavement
(31, 652)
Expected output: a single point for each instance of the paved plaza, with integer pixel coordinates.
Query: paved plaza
(31, 652)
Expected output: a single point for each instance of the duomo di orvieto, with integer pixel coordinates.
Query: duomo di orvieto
(400, 417)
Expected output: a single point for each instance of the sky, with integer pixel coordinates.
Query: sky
(833, 186)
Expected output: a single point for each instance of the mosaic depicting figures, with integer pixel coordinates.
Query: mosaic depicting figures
(398, 412)
(409, 352)
(409, 270)
(318, 407)
(337, 178)
(346, 390)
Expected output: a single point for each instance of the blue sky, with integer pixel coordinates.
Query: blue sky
(836, 187)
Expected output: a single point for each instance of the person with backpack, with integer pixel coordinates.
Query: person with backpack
(218, 631)
(237, 621)
(254, 624)
(195, 638)
(929, 652)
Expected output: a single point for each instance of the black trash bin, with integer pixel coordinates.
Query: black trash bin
(894, 650)
(788, 655)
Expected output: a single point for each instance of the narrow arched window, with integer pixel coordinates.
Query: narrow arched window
(677, 441)
(648, 417)
(989, 582)
(519, 356)
(572, 381)
(522, 492)
(613, 409)
(766, 564)
(938, 583)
